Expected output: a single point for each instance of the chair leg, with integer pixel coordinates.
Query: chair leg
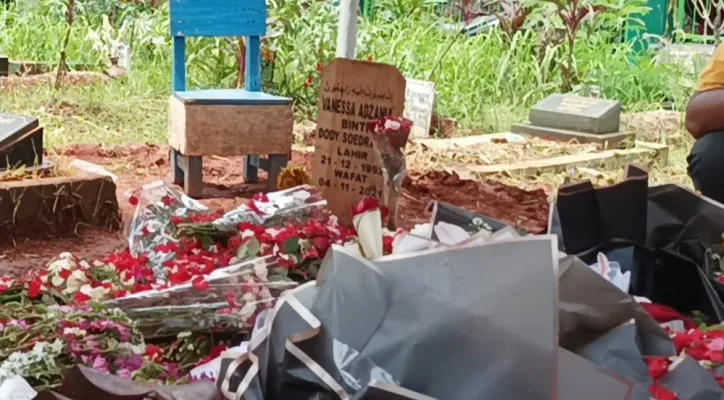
(251, 169)
(176, 167)
(276, 163)
(193, 179)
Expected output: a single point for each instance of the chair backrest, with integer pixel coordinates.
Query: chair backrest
(218, 18)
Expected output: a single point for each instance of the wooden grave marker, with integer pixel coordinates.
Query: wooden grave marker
(419, 106)
(568, 117)
(352, 94)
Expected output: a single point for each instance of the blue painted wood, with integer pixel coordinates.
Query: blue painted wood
(230, 97)
(253, 64)
(218, 18)
(178, 72)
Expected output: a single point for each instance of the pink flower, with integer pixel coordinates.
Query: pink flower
(716, 344)
(101, 364)
(124, 373)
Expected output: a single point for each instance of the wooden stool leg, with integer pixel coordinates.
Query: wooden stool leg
(193, 181)
(276, 163)
(176, 168)
(251, 169)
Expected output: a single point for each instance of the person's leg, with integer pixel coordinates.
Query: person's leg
(706, 165)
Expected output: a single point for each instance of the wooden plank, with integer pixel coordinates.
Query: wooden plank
(663, 156)
(218, 18)
(467, 141)
(561, 162)
(199, 130)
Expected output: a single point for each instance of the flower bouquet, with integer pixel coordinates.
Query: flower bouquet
(290, 206)
(389, 139)
(219, 271)
(159, 211)
(227, 299)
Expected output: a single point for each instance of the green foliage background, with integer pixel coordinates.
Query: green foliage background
(485, 82)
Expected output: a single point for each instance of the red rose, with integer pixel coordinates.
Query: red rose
(260, 197)
(80, 298)
(35, 288)
(199, 283)
(133, 200)
(387, 244)
(660, 393)
(252, 206)
(153, 352)
(369, 204)
(177, 220)
(658, 366)
(166, 200)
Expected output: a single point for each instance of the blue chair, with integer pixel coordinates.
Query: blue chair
(225, 122)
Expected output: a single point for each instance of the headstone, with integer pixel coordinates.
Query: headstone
(122, 52)
(4, 66)
(345, 167)
(21, 142)
(419, 105)
(568, 117)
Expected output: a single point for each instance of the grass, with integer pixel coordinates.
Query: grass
(485, 83)
(120, 112)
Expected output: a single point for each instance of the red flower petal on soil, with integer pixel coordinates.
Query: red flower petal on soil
(260, 197)
(199, 283)
(3, 288)
(80, 298)
(658, 366)
(133, 200)
(661, 393)
(166, 200)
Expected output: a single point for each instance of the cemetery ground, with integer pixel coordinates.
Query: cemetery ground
(115, 125)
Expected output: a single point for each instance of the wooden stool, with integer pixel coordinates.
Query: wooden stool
(225, 122)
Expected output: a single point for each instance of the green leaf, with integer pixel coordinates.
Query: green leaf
(248, 250)
(253, 247)
(48, 300)
(291, 246)
(279, 272)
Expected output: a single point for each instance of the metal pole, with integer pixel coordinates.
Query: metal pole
(347, 33)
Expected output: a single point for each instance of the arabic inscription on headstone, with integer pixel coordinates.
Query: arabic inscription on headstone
(352, 94)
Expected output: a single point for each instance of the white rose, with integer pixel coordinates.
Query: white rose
(76, 279)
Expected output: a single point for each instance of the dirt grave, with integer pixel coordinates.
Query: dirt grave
(225, 189)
